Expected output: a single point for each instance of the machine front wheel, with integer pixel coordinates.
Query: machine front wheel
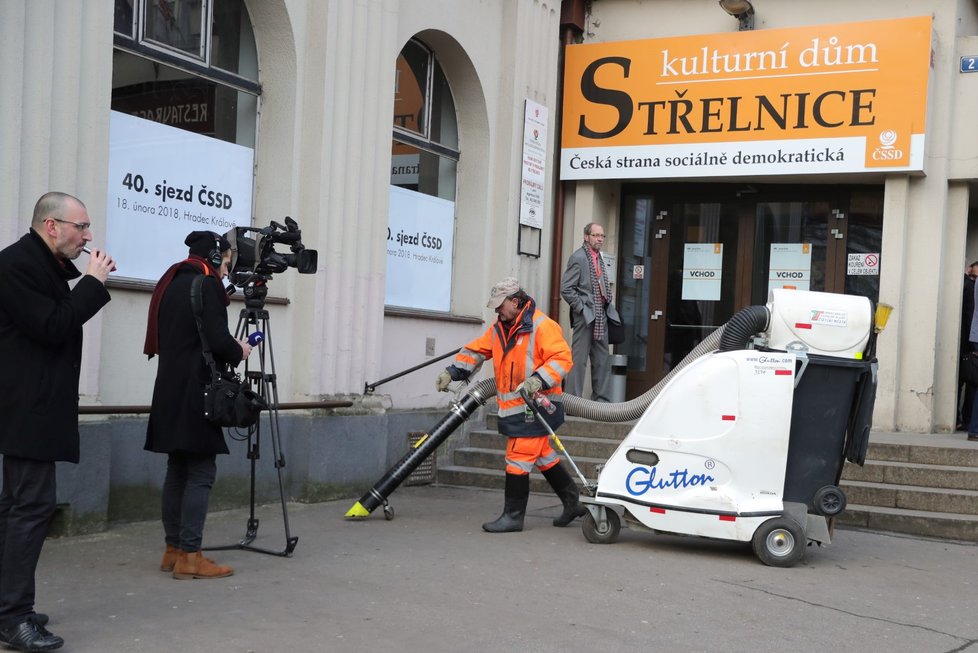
(779, 542)
(606, 533)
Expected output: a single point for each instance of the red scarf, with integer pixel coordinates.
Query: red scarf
(152, 345)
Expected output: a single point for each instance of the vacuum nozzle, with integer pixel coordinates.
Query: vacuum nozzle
(357, 512)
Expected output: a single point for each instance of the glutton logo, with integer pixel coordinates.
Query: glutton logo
(644, 479)
(887, 151)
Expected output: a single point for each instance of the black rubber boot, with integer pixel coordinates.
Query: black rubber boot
(566, 489)
(514, 509)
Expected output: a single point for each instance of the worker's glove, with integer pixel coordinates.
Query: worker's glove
(531, 386)
(441, 383)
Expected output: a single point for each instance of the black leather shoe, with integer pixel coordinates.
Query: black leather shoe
(28, 636)
(40, 618)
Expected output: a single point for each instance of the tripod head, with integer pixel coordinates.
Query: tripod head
(255, 289)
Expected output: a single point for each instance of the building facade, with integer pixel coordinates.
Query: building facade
(417, 145)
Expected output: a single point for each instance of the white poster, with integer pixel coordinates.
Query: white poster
(164, 183)
(790, 266)
(420, 236)
(532, 189)
(702, 271)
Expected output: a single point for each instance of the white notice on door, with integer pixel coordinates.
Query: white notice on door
(790, 266)
(702, 271)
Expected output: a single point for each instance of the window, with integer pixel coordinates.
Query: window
(191, 64)
(424, 161)
(182, 130)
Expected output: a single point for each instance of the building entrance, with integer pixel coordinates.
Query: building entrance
(692, 255)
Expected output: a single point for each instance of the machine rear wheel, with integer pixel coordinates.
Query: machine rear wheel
(606, 533)
(830, 500)
(779, 542)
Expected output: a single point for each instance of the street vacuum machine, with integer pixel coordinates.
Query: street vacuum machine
(744, 439)
(748, 439)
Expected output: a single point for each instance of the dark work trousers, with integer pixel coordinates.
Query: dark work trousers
(966, 398)
(27, 504)
(189, 478)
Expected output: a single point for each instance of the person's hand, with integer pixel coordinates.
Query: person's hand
(245, 348)
(531, 386)
(441, 383)
(99, 265)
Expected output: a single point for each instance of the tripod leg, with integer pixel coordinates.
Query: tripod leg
(268, 390)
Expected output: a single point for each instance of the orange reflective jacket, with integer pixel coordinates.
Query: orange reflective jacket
(533, 344)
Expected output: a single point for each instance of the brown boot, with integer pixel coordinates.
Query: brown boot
(195, 565)
(169, 558)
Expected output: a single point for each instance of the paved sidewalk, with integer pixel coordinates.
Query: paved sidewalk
(431, 581)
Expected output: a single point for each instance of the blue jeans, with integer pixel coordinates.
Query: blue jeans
(186, 490)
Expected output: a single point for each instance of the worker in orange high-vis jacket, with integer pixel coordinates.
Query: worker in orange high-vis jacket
(529, 353)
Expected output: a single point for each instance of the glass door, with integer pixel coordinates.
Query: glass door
(692, 255)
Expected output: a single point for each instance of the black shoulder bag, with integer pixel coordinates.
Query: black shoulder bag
(228, 401)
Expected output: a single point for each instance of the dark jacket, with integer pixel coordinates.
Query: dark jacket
(967, 313)
(176, 421)
(577, 291)
(40, 345)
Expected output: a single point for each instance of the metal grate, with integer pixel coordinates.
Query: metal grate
(424, 474)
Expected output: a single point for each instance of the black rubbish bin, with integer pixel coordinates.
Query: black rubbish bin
(832, 393)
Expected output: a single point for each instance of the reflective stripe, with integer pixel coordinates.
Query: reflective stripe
(512, 410)
(521, 465)
(530, 347)
(468, 360)
(547, 462)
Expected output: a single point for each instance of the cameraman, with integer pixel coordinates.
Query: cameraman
(177, 426)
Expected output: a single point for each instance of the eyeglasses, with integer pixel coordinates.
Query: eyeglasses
(80, 226)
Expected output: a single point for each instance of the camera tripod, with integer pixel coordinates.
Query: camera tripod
(254, 317)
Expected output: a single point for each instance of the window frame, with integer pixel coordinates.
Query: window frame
(176, 58)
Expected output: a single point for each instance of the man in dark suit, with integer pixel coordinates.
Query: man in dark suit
(41, 322)
(966, 391)
(586, 288)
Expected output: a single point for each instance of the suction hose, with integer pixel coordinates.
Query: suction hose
(460, 411)
(731, 336)
(627, 411)
(739, 329)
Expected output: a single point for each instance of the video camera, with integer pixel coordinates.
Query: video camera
(253, 254)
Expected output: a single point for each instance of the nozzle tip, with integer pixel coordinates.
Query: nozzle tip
(356, 512)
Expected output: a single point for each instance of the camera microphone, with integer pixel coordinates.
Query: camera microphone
(255, 338)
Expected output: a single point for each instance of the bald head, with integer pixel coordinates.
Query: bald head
(52, 205)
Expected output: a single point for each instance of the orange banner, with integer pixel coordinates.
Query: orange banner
(849, 97)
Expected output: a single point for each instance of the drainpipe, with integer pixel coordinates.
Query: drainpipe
(572, 13)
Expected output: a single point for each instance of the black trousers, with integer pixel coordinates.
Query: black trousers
(186, 491)
(27, 503)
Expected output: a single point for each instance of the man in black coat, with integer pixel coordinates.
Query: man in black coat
(966, 391)
(177, 426)
(41, 322)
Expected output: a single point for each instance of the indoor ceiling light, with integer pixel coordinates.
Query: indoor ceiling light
(742, 10)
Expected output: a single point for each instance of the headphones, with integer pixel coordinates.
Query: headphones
(214, 257)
